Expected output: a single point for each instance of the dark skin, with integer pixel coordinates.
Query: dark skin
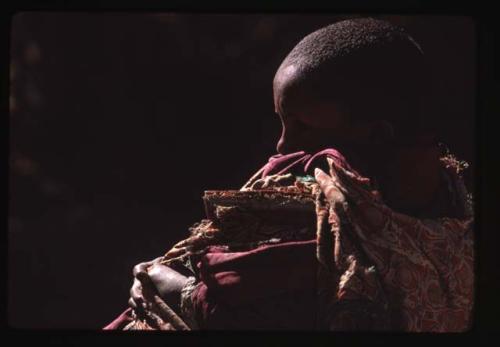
(167, 282)
(408, 176)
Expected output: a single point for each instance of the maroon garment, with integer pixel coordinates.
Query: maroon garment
(300, 162)
(228, 297)
(121, 321)
(230, 276)
(420, 271)
(271, 287)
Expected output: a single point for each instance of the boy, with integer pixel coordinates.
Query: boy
(354, 88)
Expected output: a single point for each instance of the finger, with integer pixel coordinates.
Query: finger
(136, 292)
(148, 289)
(367, 203)
(141, 267)
(322, 178)
(175, 252)
(350, 184)
(132, 304)
(155, 320)
(334, 168)
(331, 191)
(156, 260)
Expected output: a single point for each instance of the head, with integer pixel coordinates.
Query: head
(351, 84)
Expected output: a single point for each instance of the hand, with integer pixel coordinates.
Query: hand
(342, 184)
(136, 300)
(159, 279)
(327, 184)
(168, 283)
(364, 203)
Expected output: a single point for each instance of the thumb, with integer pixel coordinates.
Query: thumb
(328, 187)
(322, 178)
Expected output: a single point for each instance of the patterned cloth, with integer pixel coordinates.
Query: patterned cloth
(424, 266)
(363, 266)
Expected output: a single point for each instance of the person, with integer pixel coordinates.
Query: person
(402, 258)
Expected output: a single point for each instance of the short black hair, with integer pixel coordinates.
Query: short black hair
(372, 66)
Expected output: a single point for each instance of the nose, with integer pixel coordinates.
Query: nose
(290, 140)
(281, 146)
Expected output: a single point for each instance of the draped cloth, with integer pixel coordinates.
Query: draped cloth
(363, 267)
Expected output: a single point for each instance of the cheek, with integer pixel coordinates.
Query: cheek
(323, 116)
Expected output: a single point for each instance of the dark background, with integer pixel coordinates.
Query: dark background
(119, 122)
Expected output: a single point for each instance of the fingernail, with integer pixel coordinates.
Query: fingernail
(330, 161)
(317, 172)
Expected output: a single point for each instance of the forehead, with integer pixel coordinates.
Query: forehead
(288, 88)
(286, 75)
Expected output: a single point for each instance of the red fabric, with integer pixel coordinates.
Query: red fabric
(301, 162)
(121, 321)
(271, 287)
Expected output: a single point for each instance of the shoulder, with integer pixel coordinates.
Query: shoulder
(427, 182)
(414, 178)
